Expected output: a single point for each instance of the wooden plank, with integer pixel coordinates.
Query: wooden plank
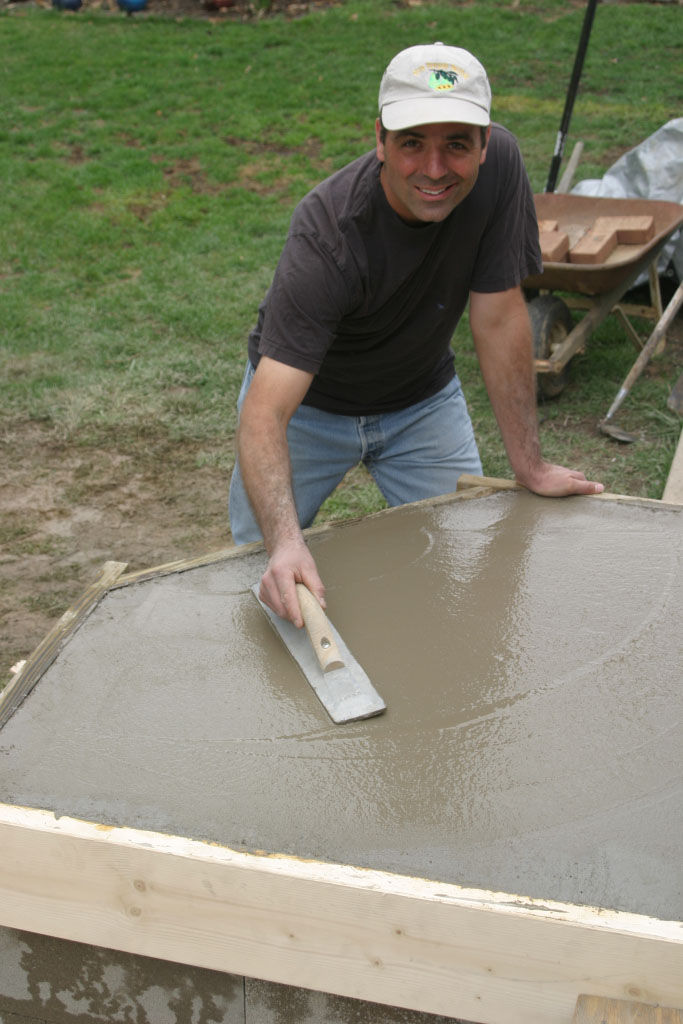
(408, 942)
(498, 483)
(583, 302)
(597, 1010)
(565, 182)
(673, 491)
(490, 484)
(656, 300)
(46, 652)
(675, 399)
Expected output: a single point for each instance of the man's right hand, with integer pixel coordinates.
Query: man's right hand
(290, 562)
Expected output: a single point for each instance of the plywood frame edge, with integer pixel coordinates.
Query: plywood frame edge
(490, 484)
(408, 942)
(673, 490)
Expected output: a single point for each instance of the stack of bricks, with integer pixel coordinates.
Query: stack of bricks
(598, 242)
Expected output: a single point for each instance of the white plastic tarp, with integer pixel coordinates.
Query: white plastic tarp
(653, 170)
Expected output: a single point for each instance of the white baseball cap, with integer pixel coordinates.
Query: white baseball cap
(432, 84)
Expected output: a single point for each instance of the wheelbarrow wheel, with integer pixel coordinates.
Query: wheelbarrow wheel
(551, 322)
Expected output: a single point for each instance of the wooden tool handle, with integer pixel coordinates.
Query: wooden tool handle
(318, 629)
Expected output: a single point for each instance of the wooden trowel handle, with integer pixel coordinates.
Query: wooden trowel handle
(318, 629)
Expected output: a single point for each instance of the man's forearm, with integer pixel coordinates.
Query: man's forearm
(512, 394)
(266, 473)
(275, 393)
(502, 337)
(505, 357)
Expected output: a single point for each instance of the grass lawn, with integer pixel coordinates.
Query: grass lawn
(149, 168)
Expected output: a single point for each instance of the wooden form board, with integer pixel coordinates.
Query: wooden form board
(673, 490)
(405, 941)
(597, 1010)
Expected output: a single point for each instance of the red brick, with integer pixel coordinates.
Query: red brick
(554, 246)
(594, 247)
(630, 230)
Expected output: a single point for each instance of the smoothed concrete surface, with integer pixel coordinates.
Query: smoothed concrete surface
(529, 651)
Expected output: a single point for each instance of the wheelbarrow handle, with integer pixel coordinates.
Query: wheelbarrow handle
(667, 316)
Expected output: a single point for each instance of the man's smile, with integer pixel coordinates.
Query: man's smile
(434, 191)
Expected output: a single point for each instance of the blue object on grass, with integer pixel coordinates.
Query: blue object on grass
(132, 6)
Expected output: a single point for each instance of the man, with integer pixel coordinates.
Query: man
(350, 360)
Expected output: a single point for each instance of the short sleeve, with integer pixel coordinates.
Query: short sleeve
(509, 250)
(311, 292)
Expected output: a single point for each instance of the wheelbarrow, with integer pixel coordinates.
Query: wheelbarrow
(596, 287)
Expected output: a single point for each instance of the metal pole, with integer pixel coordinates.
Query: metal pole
(571, 95)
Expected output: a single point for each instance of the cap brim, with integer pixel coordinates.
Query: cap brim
(432, 110)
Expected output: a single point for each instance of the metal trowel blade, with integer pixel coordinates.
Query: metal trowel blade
(346, 693)
(618, 433)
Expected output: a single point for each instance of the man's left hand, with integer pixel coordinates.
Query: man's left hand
(557, 482)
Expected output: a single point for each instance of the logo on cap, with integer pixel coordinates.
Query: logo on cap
(443, 80)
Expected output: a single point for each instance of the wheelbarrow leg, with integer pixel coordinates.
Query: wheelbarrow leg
(598, 312)
(656, 299)
(675, 400)
(605, 426)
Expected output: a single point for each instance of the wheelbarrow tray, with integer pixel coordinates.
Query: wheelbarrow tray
(603, 284)
(575, 215)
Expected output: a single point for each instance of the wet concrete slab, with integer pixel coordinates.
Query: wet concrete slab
(529, 651)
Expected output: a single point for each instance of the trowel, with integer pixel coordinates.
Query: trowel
(340, 683)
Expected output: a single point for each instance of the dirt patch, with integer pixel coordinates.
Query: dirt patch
(65, 510)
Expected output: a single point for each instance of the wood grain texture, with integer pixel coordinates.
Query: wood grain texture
(673, 491)
(414, 943)
(318, 629)
(598, 1010)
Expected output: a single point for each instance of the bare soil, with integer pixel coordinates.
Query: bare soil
(65, 510)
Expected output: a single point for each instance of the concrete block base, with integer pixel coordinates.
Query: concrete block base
(44, 980)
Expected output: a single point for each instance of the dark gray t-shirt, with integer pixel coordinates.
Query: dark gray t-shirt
(369, 303)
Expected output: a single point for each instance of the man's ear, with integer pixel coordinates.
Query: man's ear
(380, 144)
(485, 147)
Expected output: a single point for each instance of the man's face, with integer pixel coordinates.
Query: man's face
(430, 168)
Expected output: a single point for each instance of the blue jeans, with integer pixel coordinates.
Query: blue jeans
(415, 453)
